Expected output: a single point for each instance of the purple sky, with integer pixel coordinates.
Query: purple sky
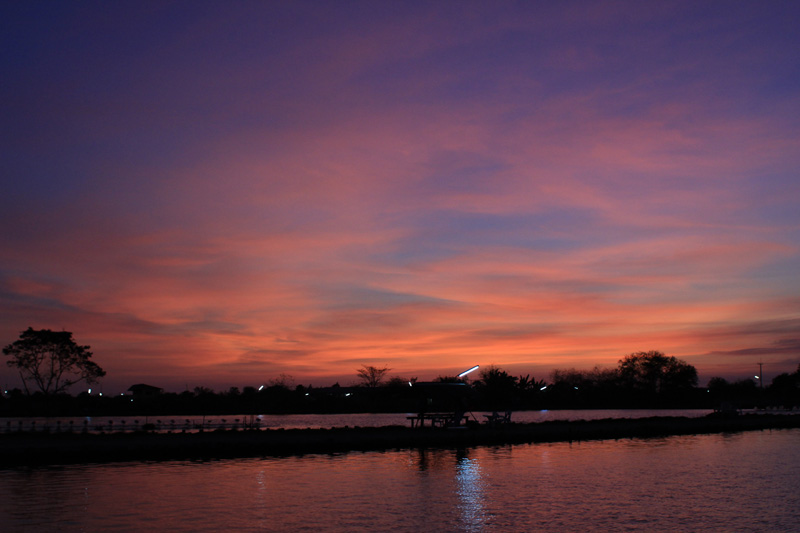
(215, 193)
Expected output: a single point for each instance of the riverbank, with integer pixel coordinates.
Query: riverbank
(28, 448)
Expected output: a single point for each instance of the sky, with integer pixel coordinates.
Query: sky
(217, 193)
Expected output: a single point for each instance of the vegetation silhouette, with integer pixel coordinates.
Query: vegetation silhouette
(372, 376)
(51, 361)
(640, 380)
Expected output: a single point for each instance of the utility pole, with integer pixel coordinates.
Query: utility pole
(761, 374)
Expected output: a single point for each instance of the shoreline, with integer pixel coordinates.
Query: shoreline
(32, 449)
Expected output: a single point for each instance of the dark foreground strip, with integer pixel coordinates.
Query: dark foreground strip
(20, 449)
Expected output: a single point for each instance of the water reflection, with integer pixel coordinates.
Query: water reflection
(469, 480)
(467, 490)
(698, 483)
(261, 497)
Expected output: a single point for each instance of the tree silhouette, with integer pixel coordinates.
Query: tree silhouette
(51, 361)
(450, 379)
(371, 376)
(655, 372)
(497, 386)
(786, 388)
(527, 383)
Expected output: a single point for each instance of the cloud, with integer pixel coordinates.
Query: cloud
(421, 185)
(787, 347)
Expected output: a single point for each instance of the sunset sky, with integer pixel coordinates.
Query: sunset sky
(215, 193)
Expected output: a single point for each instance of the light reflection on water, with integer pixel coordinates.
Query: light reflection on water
(470, 493)
(745, 481)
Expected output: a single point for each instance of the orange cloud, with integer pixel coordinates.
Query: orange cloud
(438, 187)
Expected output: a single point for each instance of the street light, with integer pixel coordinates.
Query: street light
(255, 408)
(465, 372)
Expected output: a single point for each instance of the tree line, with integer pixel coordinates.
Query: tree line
(641, 380)
(50, 362)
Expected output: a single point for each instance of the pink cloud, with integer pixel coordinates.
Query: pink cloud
(440, 188)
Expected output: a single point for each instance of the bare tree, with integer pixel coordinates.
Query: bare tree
(51, 361)
(283, 381)
(372, 376)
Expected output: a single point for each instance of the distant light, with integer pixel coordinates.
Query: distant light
(576, 388)
(465, 372)
(543, 387)
(410, 384)
(347, 394)
(101, 394)
(90, 391)
(261, 387)
(756, 377)
(306, 394)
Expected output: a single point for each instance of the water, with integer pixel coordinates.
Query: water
(723, 482)
(313, 421)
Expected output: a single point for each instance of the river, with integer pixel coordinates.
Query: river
(747, 481)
